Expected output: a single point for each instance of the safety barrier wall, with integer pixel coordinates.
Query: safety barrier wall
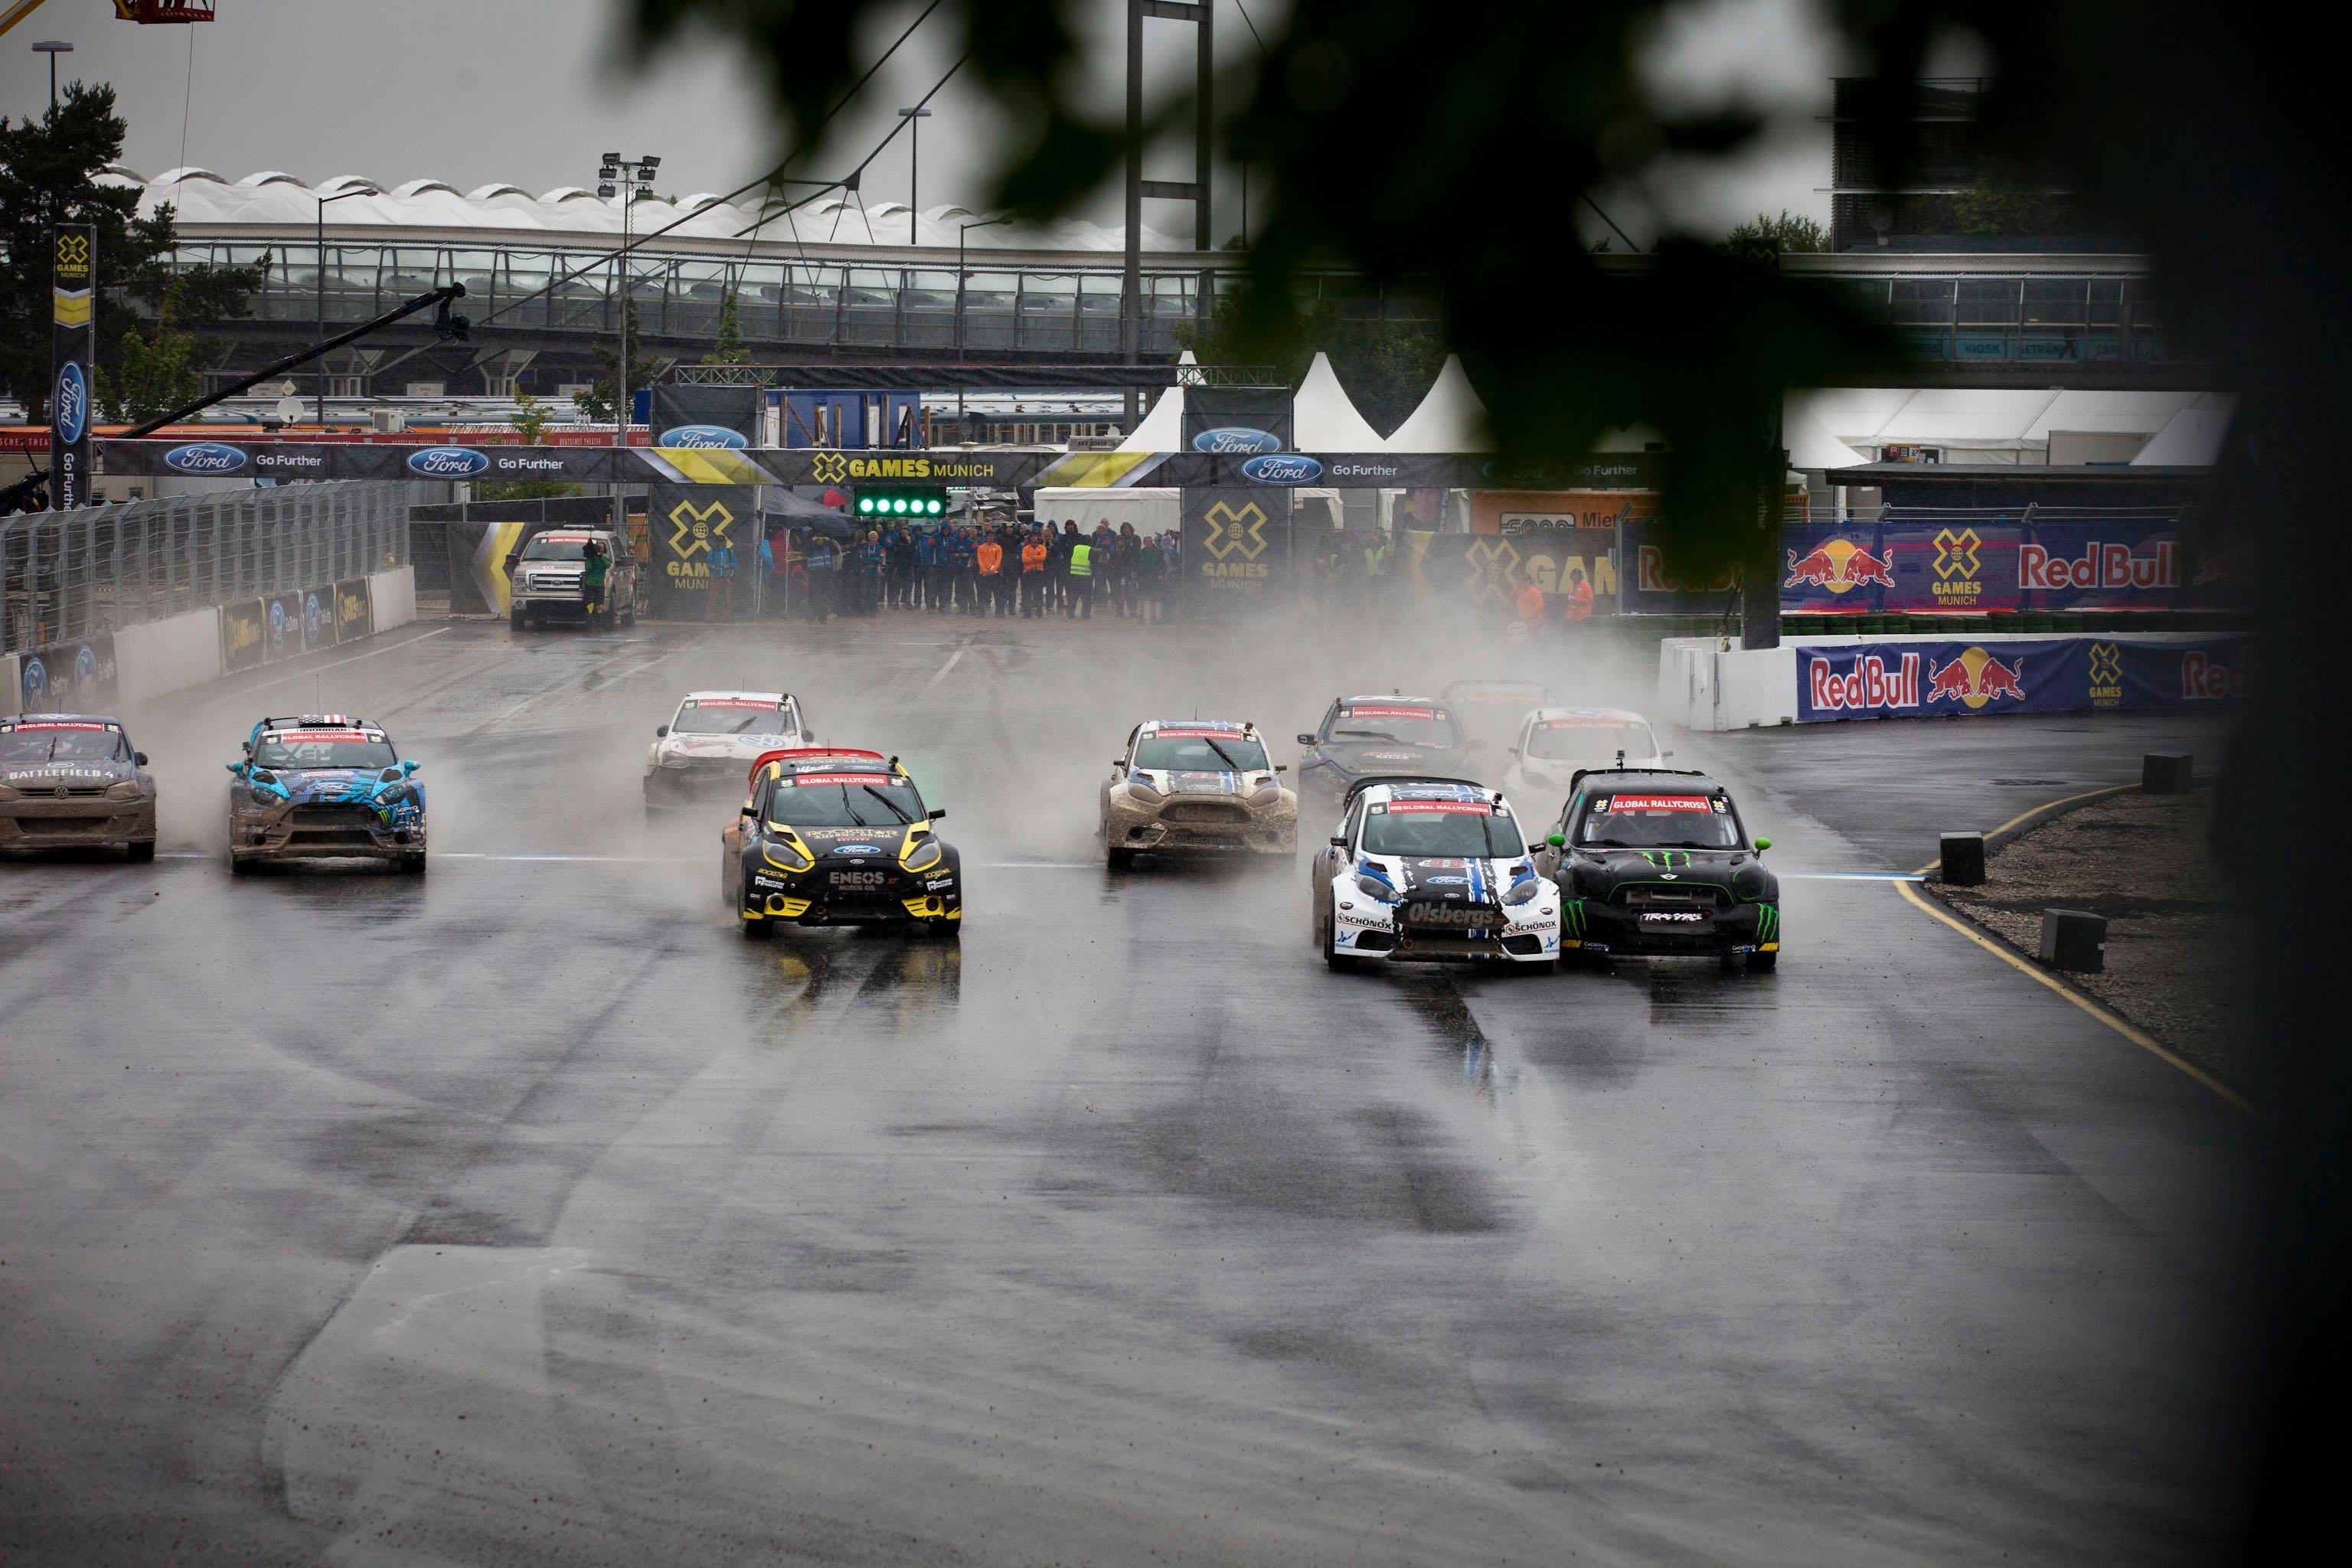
(121, 669)
(1704, 686)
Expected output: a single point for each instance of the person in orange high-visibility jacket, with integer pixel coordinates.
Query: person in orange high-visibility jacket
(989, 561)
(1528, 604)
(1032, 575)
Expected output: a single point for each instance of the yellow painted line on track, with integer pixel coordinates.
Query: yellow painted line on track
(2017, 962)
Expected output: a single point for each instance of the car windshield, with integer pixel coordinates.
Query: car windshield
(1194, 751)
(546, 548)
(1387, 722)
(1592, 741)
(299, 749)
(1659, 820)
(844, 800)
(731, 716)
(62, 744)
(1466, 829)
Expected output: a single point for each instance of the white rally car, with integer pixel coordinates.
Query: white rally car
(1554, 745)
(1428, 869)
(703, 755)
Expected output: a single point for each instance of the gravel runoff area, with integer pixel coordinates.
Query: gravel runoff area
(2145, 862)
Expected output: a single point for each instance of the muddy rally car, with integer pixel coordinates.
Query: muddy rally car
(701, 755)
(324, 785)
(1195, 787)
(1656, 862)
(70, 779)
(838, 837)
(1430, 868)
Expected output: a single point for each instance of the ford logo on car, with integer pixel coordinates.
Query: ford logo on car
(205, 457)
(857, 849)
(73, 404)
(448, 462)
(1237, 439)
(1282, 468)
(703, 436)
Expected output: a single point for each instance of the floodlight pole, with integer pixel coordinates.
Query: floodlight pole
(962, 229)
(623, 178)
(914, 119)
(321, 281)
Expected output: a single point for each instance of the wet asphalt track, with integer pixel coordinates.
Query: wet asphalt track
(525, 1214)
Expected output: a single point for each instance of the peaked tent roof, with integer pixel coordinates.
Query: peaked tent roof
(1161, 429)
(2192, 437)
(1323, 418)
(1810, 442)
(1450, 419)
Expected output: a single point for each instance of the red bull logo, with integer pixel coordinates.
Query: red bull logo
(1975, 678)
(2229, 566)
(1872, 684)
(2204, 679)
(1838, 564)
(2100, 566)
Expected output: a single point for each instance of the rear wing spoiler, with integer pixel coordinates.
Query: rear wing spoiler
(793, 753)
(1407, 780)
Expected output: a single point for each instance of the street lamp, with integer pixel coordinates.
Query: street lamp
(914, 119)
(627, 179)
(962, 229)
(53, 48)
(323, 201)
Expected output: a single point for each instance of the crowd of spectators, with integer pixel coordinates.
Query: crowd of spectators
(994, 566)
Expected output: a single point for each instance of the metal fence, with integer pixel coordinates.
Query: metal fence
(70, 573)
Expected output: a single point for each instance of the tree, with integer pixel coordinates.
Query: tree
(729, 348)
(1789, 234)
(2001, 204)
(51, 170)
(599, 403)
(530, 420)
(157, 370)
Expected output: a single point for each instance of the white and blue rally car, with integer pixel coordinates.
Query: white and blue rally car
(1430, 869)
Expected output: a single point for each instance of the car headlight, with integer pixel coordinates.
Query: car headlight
(923, 856)
(391, 795)
(8, 792)
(126, 790)
(260, 796)
(782, 851)
(1373, 888)
(1524, 890)
(1141, 786)
(672, 760)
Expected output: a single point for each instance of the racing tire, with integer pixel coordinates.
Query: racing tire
(141, 851)
(1119, 859)
(517, 620)
(239, 866)
(1764, 963)
(630, 619)
(1326, 937)
(756, 931)
(412, 865)
(944, 930)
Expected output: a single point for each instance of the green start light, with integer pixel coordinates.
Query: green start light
(924, 501)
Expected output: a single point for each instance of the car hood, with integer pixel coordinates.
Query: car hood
(875, 845)
(63, 775)
(1700, 867)
(1176, 782)
(1373, 758)
(1426, 877)
(727, 748)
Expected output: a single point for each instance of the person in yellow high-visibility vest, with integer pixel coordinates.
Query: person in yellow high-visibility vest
(1082, 578)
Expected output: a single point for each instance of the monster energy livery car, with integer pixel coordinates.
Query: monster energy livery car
(324, 785)
(1376, 737)
(702, 753)
(71, 779)
(1194, 787)
(1430, 868)
(838, 837)
(1657, 861)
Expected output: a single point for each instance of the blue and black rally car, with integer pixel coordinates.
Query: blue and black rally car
(324, 785)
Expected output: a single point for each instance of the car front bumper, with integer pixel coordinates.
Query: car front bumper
(1615, 930)
(34, 823)
(322, 831)
(813, 898)
(1534, 939)
(1202, 825)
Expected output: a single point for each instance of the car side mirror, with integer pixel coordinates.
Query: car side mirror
(1117, 762)
(748, 811)
(139, 758)
(1338, 841)
(410, 767)
(1762, 845)
(937, 813)
(660, 731)
(1282, 767)
(1305, 738)
(1535, 848)
(1557, 840)
(236, 768)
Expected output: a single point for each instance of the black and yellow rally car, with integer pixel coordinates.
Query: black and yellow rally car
(838, 837)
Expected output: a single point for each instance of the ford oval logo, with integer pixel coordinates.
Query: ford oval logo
(205, 457)
(1445, 882)
(1237, 439)
(703, 436)
(73, 404)
(856, 849)
(1282, 468)
(448, 462)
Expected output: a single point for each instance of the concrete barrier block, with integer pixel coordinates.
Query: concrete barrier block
(1963, 858)
(2167, 772)
(2074, 939)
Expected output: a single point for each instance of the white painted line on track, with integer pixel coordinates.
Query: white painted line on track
(590, 859)
(953, 659)
(1044, 866)
(1850, 877)
(317, 670)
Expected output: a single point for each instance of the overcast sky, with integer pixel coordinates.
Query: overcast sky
(526, 91)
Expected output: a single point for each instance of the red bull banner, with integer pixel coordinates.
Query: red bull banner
(1914, 679)
(1917, 562)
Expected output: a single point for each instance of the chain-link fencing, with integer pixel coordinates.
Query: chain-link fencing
(72, 574)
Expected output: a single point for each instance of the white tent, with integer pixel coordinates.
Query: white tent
(1161, 429)
(1810, 442)
(1324, 420)
(1450, 419)
(2192, 438)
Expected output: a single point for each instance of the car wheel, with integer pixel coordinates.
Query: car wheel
(1119, 859)
(238, 865)
(412, 865)
(629, 617)
(1327, 931)
(142, 851)
(1767, 961)
(517, 620)
(756, 931)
